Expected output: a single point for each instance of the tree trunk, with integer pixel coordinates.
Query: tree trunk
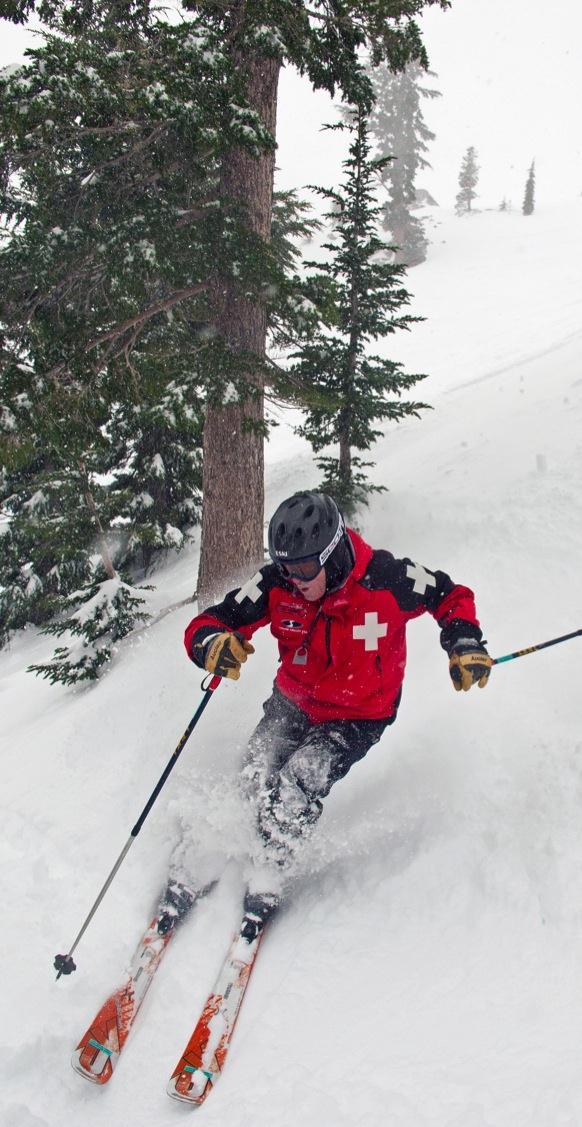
(233, 459)
(345, 457)
(101, 537)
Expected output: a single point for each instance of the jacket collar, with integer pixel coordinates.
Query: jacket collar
(337, 601)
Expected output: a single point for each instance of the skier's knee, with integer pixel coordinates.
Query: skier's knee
(309, 770)
(287, 809)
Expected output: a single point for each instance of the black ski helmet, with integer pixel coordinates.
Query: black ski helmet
(310, 524)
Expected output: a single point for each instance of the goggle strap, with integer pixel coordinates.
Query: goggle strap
(333, 543)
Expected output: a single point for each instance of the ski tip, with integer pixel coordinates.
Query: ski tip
(94, 1062)
(190, 1086)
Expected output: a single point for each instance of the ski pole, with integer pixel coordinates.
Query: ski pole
(540, 646)
(64, 963)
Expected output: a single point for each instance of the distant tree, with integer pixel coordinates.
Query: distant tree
(468, 178)
(361, 294)
(400, 132)
(505, 204)
(529, 195)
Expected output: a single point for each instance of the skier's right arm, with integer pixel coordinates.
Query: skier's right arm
(218, 639)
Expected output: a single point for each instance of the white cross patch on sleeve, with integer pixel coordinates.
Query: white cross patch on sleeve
(371, 631)
(422, 578)
(251, 590)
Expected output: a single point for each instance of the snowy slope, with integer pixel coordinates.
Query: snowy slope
(429, 970)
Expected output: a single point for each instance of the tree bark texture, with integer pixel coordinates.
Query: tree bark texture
(233, 459)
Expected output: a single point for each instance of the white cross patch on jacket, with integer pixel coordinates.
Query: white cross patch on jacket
(371, 631)
(422, 578)
(251, 589)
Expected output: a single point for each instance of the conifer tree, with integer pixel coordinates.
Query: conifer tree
(323, 41)
(398, 126)
(468, 179)
(529, 195)
(108, 234)
(361, 294)
(126, 283)
(155, 146)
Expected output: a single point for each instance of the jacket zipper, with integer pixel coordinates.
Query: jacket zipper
(307, 640)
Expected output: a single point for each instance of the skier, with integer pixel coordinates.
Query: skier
(338, 609)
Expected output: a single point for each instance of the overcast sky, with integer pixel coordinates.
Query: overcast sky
(510, 74)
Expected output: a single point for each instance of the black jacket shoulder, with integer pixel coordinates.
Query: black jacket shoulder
(245, 605)
(412, 585)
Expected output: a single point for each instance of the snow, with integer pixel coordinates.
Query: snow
(91, 178)
(157, 467)
(173, 536)
(37, 501)
(8, 420)
(230, 394)
(428, 970)
(10, 71)
(143, 500)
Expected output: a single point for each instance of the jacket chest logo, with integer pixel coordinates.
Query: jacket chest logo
(371, 631)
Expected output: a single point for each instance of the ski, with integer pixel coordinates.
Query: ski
(203, 1058)
(99, 1049)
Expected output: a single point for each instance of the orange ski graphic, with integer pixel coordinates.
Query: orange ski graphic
(98, 1050)
(203, 1059)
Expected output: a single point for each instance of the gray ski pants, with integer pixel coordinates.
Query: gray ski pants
(292, 763)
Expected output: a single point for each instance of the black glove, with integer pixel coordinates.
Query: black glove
(225, 653)
(469, 663)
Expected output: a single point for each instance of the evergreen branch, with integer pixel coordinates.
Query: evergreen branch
(20, 158)
(147, 314)
(192, 214)
(130, 153)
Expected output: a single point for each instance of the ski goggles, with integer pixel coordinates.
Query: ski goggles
(306, 569)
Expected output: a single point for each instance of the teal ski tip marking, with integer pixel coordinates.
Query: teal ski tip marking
(193, 1068)
(102, 1048)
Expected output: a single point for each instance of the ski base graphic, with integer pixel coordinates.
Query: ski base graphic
(98, 1051)
(203, 1058)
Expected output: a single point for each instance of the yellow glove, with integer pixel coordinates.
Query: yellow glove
(469, 665)
(225, 653)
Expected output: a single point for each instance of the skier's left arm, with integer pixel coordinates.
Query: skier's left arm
(453, 607)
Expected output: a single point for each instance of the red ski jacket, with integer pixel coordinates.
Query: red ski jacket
(343, 658)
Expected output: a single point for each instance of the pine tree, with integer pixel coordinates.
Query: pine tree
(468, 178)
(108, 235)
(361, 293)
(323, 42)
(96, 619)
(156, 144)
(398, 126)
(126, 283)
(529, 195)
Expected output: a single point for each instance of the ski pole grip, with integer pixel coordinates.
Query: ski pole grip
(214, 683)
